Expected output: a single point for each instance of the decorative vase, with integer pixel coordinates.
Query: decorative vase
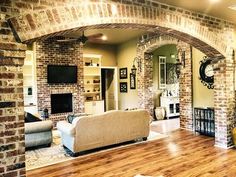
(160, 113)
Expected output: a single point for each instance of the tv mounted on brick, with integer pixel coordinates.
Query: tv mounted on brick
(61, 74)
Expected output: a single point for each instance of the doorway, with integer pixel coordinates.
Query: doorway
(109, 88)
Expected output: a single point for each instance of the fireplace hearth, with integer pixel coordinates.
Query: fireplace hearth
(61, 103)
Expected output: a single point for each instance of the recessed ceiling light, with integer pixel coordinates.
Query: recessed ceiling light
(233, 7)
(104, 38)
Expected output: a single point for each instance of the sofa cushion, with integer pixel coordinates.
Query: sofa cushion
(35, 127)
(31, 118)
(65, 127)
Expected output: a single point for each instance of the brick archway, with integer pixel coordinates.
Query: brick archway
(145, 77)
(37, 21)
(185, 25)
(145, 84)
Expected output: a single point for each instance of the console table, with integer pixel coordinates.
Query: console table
(171, 105)
(204, 121)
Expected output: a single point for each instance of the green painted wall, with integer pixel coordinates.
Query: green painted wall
(166, 50)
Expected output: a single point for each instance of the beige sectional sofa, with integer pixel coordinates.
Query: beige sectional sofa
(112, 127)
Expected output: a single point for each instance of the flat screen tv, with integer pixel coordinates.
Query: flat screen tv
(61, 74)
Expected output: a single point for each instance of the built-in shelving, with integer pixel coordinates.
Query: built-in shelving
(88, 93)
(92, 77)
(29, 82)
(92, 84)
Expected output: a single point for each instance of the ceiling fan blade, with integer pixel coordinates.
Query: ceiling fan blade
(66, 40)
(93, 36)
(83, 39)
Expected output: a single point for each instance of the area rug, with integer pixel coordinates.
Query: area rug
(56, 153)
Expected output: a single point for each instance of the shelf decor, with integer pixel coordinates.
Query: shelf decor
(92, 77)
(92, 84)
(123, 87)
(123, 73)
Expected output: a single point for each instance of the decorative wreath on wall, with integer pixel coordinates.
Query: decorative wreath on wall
(206, 72)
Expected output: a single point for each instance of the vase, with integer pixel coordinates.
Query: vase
(160, 113)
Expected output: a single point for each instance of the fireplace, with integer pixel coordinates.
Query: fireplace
(61, 103)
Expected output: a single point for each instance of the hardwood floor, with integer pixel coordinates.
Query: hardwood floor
(165, 126)
(181, 154)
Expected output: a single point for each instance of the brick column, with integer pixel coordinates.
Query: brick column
(224, 101)
(145, 81)
(12, 140)
(185, 89)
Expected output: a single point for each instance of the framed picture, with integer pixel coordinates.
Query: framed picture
(123, 73)
(132, 81)
(123, 87)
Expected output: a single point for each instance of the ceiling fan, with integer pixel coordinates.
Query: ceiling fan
(83, 39)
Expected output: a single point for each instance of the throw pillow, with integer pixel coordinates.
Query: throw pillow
(71, 117)
(31, 118)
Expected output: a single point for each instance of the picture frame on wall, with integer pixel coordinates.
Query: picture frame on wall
(123, 73)
(132, 81)
(123, 87)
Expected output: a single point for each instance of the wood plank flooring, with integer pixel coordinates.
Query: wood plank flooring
(182, 154)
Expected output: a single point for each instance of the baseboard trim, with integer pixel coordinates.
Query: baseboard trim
(224, 147)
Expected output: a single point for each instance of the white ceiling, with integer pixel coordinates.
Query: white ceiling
(219, 9)
(114, 36)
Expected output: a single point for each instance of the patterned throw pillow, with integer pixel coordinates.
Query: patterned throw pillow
(71, 117)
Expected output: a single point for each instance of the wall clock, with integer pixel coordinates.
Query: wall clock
(206, 73)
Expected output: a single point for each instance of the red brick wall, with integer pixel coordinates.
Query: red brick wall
(52, 52)
(185, 86)
(224, 100)
(12, 139)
